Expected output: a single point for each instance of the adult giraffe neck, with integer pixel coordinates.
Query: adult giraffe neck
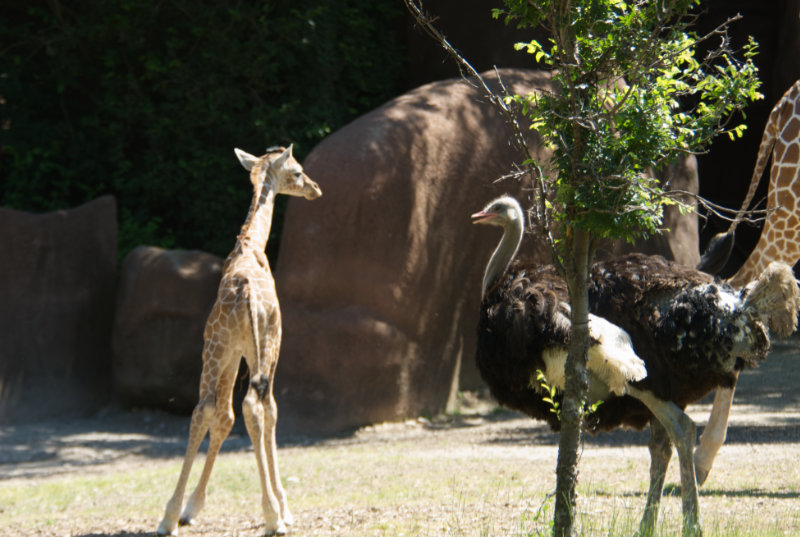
(505, 251)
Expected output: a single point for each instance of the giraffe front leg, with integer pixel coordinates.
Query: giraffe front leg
(254, 419)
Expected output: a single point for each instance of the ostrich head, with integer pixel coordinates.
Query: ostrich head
(504, 211)
(507, 213)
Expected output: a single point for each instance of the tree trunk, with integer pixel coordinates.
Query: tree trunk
(575, 387)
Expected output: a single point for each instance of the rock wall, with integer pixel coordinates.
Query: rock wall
(163, 300)
(57, 276)
(726, 168)
(379, 281)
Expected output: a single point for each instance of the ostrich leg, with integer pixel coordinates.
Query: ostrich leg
(714, 434)
(682, 432)
(660, 454)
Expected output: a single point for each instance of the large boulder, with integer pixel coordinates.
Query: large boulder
(379, 280)
(57, 275)
(163, 301)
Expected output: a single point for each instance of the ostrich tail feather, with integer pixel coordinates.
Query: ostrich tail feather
(775, 298)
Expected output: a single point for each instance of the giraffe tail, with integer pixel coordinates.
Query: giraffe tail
(258, 380)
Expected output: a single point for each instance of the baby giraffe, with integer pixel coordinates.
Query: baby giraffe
(245, 321)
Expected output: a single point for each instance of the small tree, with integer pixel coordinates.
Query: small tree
(633, 94)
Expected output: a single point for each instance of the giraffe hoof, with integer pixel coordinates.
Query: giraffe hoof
(279, 530)
(163, 530)
(185, 521)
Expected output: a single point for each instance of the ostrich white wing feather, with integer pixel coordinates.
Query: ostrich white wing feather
(612, 358)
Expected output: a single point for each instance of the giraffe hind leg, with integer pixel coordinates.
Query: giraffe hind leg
(272, 458)
(260, 417)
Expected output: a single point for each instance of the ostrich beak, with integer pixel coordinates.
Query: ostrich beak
(482, 217)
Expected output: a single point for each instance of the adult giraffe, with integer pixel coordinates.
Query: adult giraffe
(778, 240)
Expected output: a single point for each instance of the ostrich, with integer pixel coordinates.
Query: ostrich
(661, 336)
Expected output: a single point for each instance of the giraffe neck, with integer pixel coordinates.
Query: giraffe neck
(255, 231)
(748, 271)
(778, 240)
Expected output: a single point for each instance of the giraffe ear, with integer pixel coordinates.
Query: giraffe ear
(285, 156)
(247, 160)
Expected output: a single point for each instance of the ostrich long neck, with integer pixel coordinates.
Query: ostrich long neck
(504, 253)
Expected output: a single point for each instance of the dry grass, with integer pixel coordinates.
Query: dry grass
(479, 474)
(476, 477)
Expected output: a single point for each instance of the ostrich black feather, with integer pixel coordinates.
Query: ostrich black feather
(689, 332)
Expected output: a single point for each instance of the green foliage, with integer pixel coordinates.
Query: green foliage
(146, 101)
(551, 396)
(550, 392)
(633, 95)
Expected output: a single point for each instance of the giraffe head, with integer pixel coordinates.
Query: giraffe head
(280, 168)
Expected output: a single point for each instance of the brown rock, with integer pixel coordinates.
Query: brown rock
(163, 301)
(379, 280)
(57, 274)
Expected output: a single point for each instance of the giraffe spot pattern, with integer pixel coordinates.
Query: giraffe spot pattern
(791, 130)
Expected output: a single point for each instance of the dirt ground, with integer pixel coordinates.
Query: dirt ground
(763, 444)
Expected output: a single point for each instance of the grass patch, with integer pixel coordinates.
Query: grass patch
(429, 483)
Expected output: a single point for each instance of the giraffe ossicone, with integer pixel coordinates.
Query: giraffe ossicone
(245, 321)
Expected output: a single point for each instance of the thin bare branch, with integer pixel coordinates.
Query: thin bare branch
(502, 102)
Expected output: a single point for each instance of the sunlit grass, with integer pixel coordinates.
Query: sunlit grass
(400, 488)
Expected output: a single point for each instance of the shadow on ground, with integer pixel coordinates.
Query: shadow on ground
(766, 410)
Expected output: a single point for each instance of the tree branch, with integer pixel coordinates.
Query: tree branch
(502, 102)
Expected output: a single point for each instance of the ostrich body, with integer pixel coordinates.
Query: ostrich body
(662, 336)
